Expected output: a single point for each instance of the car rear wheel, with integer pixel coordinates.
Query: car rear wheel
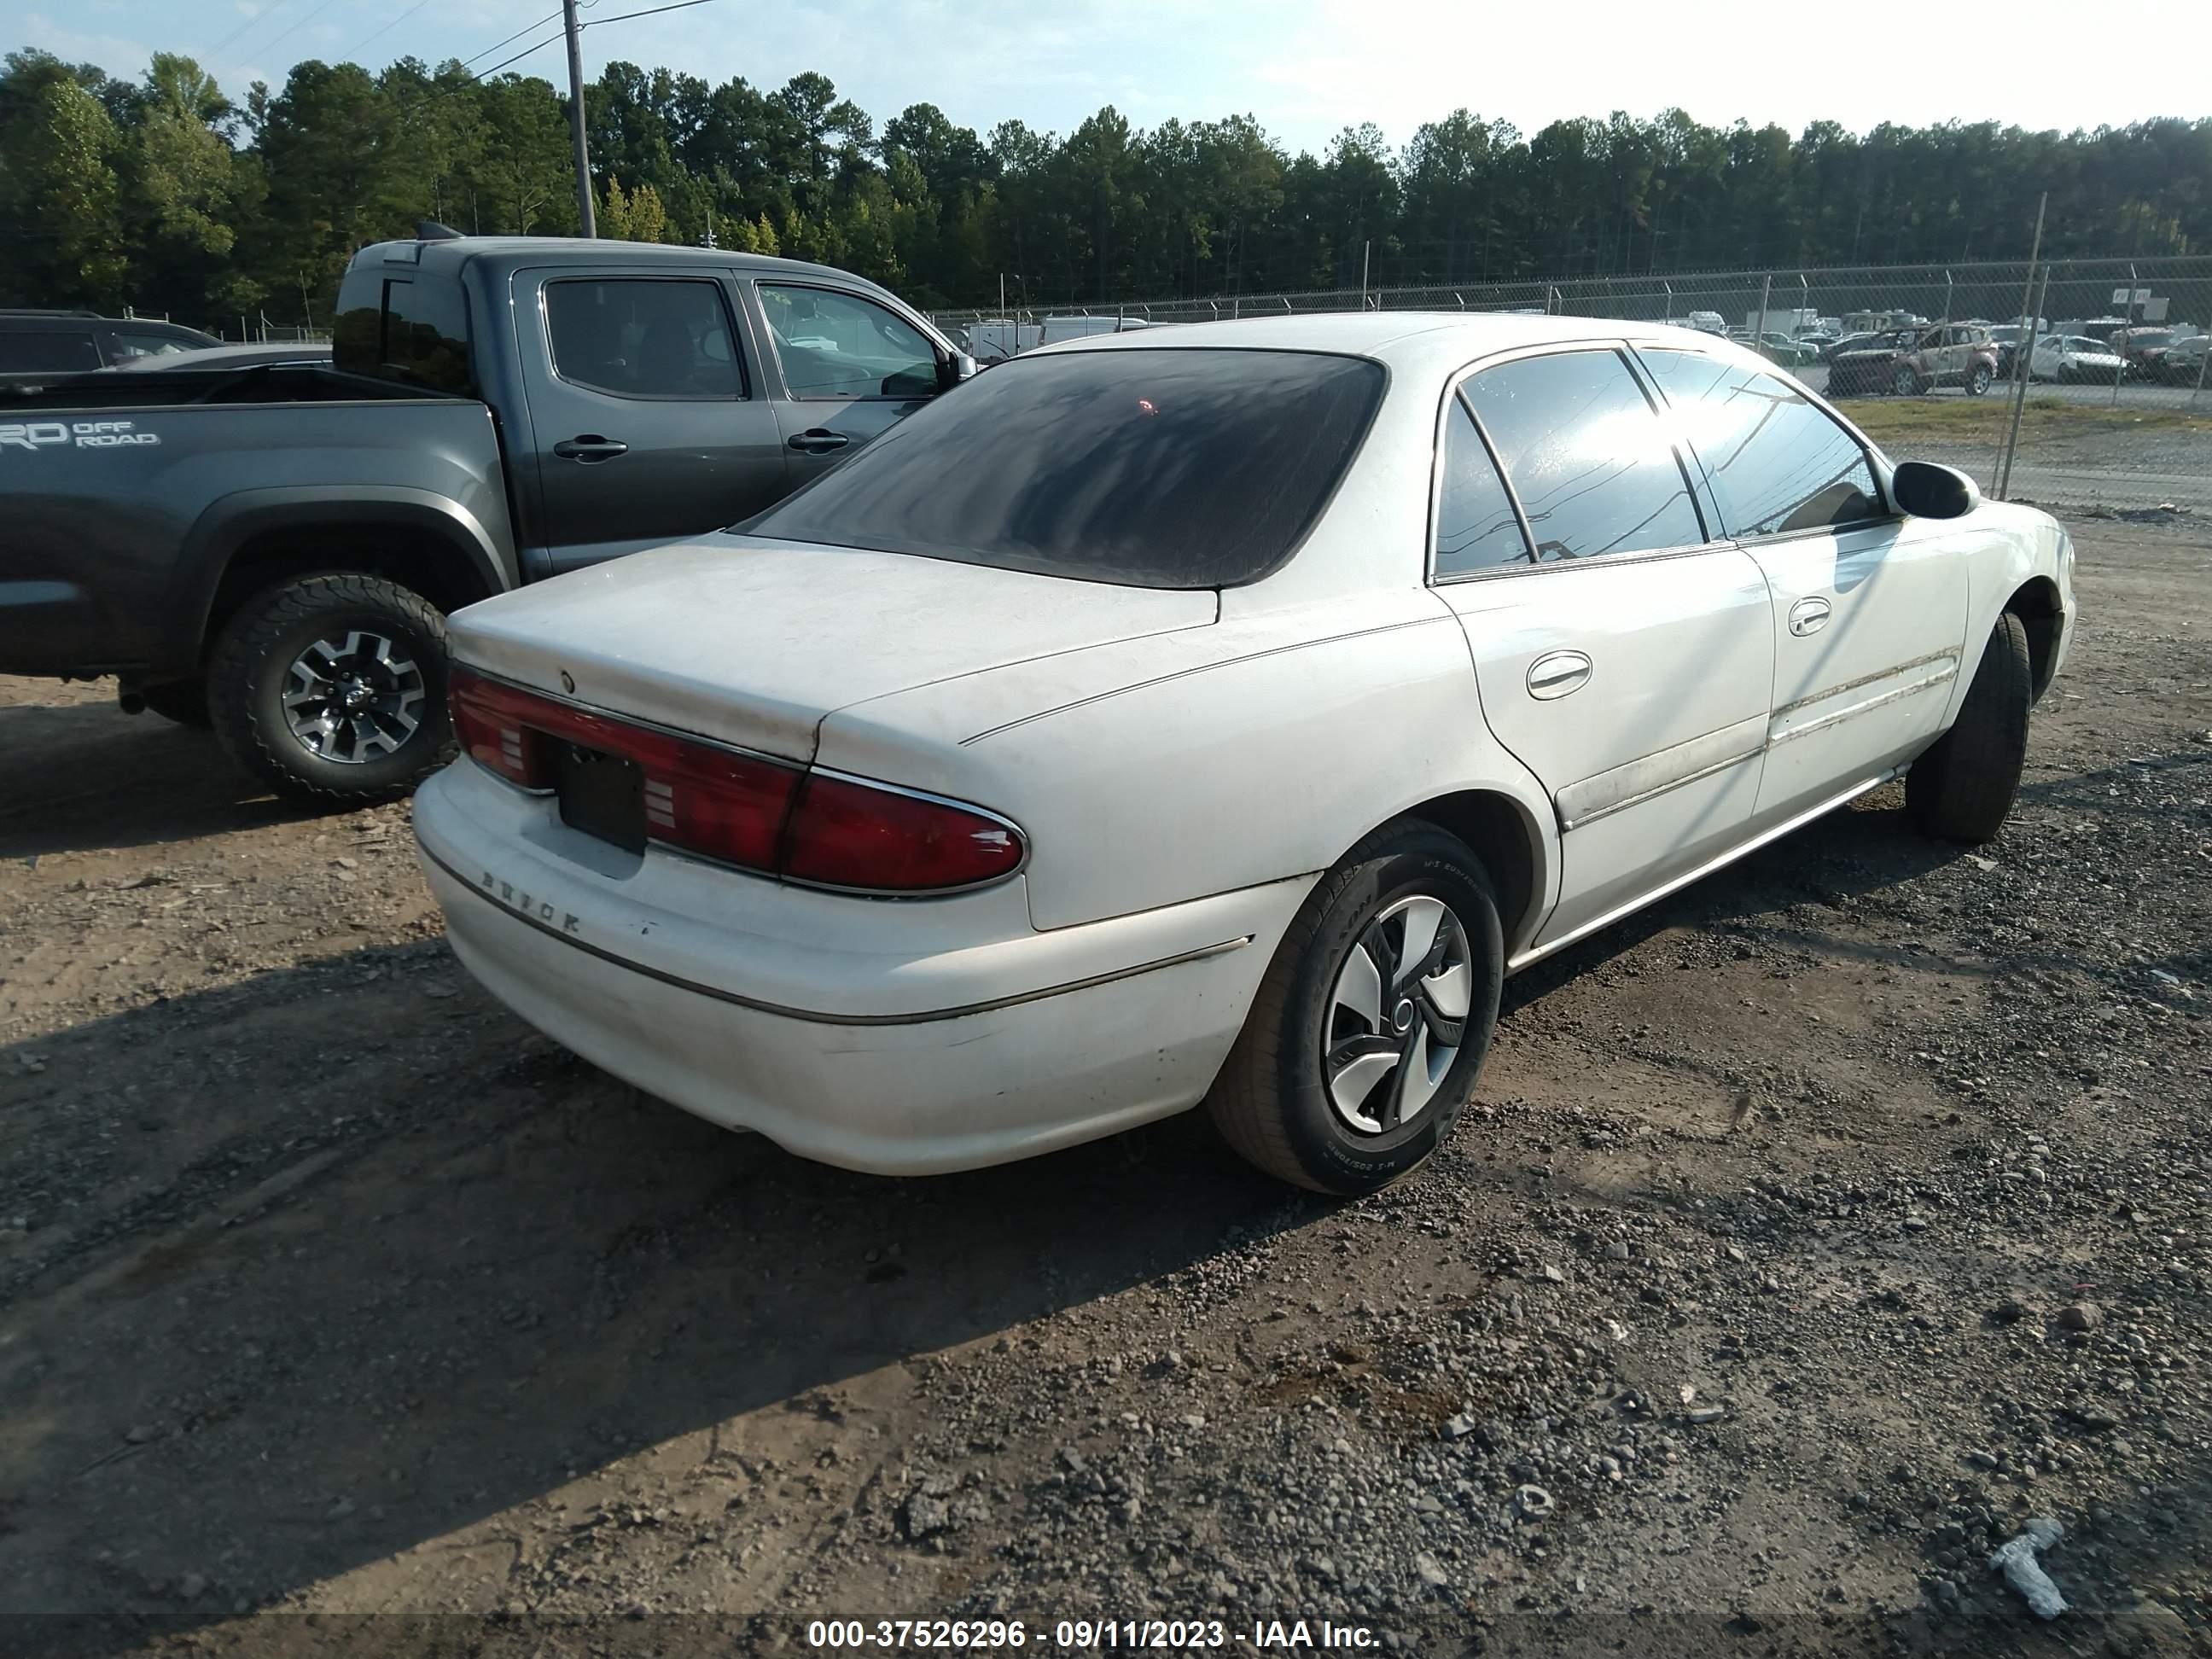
(332, 688)
(1963, 788)
(1980, 380)
(1904, 382)
(1367, 1033)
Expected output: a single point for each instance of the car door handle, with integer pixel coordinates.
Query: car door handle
(1556, 673)
(1808, 617)
(590, 447)
(816, 440)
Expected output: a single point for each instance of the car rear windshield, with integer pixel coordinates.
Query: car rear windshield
(1149, 468)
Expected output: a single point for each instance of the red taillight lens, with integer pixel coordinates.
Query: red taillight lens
(502, 728)
(707, 800)
(734, 807)
(845, 834)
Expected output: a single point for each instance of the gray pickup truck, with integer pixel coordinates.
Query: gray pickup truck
(271, 548)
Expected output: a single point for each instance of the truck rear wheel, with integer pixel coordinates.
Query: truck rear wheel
(332, 688)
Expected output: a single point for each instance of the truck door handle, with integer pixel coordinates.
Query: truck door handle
(590, 447)
(816, 440)
(1557, 673)
(1808, 617)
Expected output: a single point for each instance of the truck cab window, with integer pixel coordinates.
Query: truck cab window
(837, 345)
(644, 337)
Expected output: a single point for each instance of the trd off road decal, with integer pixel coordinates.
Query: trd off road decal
(35, 435)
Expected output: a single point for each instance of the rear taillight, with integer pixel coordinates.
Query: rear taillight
(742, 809)
(848, 834)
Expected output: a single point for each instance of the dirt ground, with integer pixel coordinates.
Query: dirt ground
(1809, 1234)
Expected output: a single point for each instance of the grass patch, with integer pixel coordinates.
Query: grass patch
(1971, 418)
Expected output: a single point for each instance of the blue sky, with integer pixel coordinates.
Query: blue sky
(1303, 68)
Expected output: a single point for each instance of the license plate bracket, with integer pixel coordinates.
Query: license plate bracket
(602, 795)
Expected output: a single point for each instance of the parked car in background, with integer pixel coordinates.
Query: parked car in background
(269, 545)
(1706, 322)
(1908, 362)
(1846, 342)
(2182, 363)
(2006, 337)
(37, 347)
(1789, 352)
(1194, 566)
(2066, 357)
(2145, 349)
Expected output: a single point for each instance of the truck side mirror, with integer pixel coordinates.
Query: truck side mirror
(951, 370)
(1927, 490)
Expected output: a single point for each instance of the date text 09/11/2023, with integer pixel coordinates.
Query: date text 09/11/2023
(1087, 1634)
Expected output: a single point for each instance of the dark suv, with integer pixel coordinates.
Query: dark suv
(44, 344)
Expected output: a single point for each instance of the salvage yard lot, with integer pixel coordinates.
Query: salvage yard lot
(326, 1285)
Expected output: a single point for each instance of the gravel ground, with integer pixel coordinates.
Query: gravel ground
(1809, 1233)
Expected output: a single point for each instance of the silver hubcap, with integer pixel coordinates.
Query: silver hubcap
(1396, 1015)
(352, 698)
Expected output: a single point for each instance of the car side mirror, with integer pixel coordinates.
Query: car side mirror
(954, 370)
(1927, 490)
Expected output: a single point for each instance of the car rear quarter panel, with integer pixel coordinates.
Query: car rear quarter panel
(1165, 770)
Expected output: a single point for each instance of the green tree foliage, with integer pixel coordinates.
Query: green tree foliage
(162, 193)
(60, 195)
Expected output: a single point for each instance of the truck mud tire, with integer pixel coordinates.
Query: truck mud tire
(332, 688)
(1364, 1039)
(1963, 788)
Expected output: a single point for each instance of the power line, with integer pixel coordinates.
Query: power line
(447, 92)
(649, 12)
(517, 35)
(258, 16)
(394, 23)
(301, 24)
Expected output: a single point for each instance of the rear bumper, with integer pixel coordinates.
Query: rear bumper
(897, 1038)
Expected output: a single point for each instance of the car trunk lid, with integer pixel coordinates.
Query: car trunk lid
(752, 642)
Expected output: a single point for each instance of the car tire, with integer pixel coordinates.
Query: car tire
(1281, 1103)
(1963, 788)
(184, 704)
(1904, 383)
(1981, 379)
(347, 637)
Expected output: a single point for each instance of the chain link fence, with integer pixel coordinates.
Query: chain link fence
(2073, 383)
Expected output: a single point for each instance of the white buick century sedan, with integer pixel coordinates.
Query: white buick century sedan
(1214, 714)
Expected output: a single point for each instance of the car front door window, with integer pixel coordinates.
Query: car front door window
(1776, 463)
(1587, 454)
(837, 346)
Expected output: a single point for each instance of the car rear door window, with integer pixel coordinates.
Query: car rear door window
(644, 337)
(1477, 529)
(1153, 467)
(834, 345)
(1776, 461)
(1587, 454)
(41, 351)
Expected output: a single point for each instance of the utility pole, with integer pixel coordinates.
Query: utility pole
(584, 216)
